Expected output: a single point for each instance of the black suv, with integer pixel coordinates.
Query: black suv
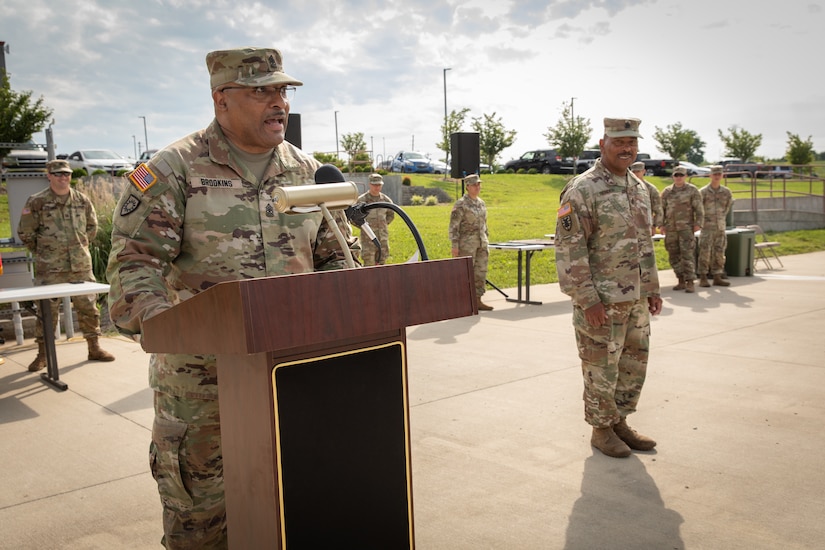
(546, 161)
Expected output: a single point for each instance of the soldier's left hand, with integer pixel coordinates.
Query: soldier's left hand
(654, 304)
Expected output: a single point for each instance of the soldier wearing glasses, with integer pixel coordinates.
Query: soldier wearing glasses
(199, 212)
(57, 225)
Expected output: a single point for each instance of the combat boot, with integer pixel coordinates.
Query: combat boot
(681, 285)
(703, 281)
(689, 285)
(605, 440)
(634, 440)
(96, 353)
(482, 306)
(39, 362)
(719, 281)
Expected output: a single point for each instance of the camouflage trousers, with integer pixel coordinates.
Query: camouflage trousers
(369, 252)
(187, 464)
(478, 251)
(614, 361)
(681, 250)
(88, 316)
(712, 245)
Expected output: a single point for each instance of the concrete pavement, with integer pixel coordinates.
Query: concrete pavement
(501, 455)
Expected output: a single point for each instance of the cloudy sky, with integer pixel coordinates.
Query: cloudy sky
(709, 64)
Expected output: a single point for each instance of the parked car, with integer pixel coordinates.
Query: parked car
(693, 170)
(656, 167)
(586, 160)
(439, 167)
(411, 161)
(92, 160)
(145, 156)
(29, 156)
(546, 161)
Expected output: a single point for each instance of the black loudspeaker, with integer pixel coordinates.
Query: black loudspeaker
(293, 129)
(464, 154)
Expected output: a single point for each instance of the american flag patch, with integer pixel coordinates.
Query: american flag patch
(564, 209)
(143, 178)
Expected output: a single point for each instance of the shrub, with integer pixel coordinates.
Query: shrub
(532, 171)
(406, 181)
(416, 200)
(432, 200)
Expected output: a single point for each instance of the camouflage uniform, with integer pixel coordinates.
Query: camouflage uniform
(604, 253)
(379, 220)
(656, 212)
(683, 211)
(57, 230)
(468, 233)
(713, 241)
(195, 216)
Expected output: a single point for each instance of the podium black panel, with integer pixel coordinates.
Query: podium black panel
(342, 438)
(465, 155)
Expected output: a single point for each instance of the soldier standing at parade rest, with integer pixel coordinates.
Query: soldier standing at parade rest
(606, 264)
(57, 225)
(469, 236)
(656, 214)
(379, 220)
(200, 212)
(682, 205)
(717, 202)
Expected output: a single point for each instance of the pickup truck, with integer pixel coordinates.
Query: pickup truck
(656, 167)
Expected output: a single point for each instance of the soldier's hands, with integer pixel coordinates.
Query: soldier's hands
(596, 315)
(455, 252)
(654, 304)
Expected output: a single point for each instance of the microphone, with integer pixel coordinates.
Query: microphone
(335, 194)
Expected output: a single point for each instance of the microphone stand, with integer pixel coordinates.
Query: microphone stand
(357, 215)
(338, 235)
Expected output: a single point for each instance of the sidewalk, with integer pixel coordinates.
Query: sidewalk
(501, 455)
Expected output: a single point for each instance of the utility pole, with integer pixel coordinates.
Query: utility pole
(336, 135)
(145, 135)
(135, 144)
(446, 136)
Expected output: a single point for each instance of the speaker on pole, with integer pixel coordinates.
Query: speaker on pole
(465, 154)
(293, 129)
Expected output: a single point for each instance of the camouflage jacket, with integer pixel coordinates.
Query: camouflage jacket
(716, 204)
(468, 222)
(656, 213)
(604, 251)
(378, 218)
(194, 217)
(682, 207)
(58, 232)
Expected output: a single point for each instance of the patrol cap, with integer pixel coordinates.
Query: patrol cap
(472, 179)
(622, 127)
(636, 166)
(680, 170)
(717, 169)
(248, 67)
(376, 179)
(58, 166)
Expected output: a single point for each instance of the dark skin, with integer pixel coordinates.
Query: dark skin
(617, 156)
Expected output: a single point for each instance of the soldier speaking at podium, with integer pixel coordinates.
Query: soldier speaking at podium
(200, 212)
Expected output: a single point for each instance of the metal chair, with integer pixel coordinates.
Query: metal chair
(760, 246)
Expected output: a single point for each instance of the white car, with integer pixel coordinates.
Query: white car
(693, 170)
(93, 160)
(439, 167)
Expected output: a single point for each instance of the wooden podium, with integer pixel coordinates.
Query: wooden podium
(312, 380)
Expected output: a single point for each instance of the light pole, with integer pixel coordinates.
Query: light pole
(145, 135)
(336, 134)
(446, 136)
(572, 117)
(134, 142)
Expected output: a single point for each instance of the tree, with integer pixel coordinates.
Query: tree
(740, 143)
(454, 123)
(679, 143)
(799, 152)
(493, 137)
(569, 136)
(20, 119)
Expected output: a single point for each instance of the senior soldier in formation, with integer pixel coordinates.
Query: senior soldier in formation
(379, 220)
(200, 212)
(682, 206)
(57, 225)
(606, 264)
(717, 202)
(469, 236)
(656, 214)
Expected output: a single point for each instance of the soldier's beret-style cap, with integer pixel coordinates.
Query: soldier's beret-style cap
(622, 127)
(58, 166)
(680, 170)
(376, 179)
(636, 166)
(717, 169)
(472, 179)
(248, 67)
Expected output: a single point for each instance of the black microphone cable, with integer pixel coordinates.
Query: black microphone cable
(357, 214)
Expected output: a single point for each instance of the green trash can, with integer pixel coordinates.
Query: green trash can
(739, 252)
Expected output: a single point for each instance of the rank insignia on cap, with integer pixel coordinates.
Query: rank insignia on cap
(143, 178)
